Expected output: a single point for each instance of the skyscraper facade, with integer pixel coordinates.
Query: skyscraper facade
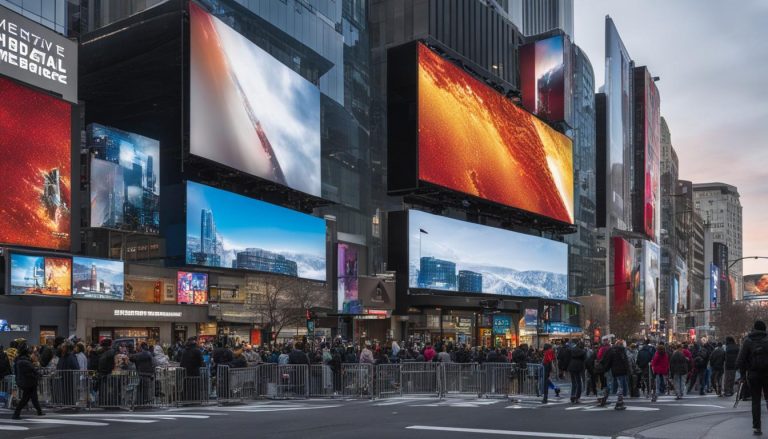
(539, 16)
(720, 208)
(49, 13)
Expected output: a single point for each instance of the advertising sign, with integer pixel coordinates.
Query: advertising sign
(377, 293)
(35, 153)
(192, 288)
(531, 316)
(648, 153)
(473, 140)
(97, 279)
(756, 286)
(714, 285)
(40, 275)
(501, 324)
(544, 77)
(626, 274)
(248, 110)
(498, 261)
(36, 55)
(682, 269)
(125, 180)
(232, 231)
(149, 290)
(348, 299)
(651, 275)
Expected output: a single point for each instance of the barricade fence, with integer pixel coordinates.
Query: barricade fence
(174, 386)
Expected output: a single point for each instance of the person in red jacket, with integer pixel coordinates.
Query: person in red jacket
(660, 366)
(549, 358)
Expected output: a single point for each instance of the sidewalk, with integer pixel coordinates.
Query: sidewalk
(725, 425)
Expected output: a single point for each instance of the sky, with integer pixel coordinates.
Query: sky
(712, 57)
(475, 245)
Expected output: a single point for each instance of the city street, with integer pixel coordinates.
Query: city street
(693, 417)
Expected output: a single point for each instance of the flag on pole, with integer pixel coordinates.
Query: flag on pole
(423, 231)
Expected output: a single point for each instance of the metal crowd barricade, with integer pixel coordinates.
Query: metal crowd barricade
(357, 380)
(420, 379)
(8, 391)
(321, 381)
(116, 390)
(498, 379)
(194, 389)
(461, 379)
(70, 389)
(236, 385)
(266, 376)
(44, 387)
(292, 381)
(388, 381)
(166, 386)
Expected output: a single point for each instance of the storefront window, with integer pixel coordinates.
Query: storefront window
(47, 335)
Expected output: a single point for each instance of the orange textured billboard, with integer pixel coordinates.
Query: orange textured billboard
(474, 140)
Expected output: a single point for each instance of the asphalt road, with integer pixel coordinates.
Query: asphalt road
(399, 417)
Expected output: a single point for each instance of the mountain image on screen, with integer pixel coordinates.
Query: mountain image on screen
(232, 231)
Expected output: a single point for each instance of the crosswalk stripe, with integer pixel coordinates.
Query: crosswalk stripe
(538, 434)
(131, 421)
(68, 422)
(13, 428)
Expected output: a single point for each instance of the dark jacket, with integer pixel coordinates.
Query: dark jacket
(106, 362)
(238, 362)
(563, 358)
(678, 364)
(745, 361)
(644, 357)
(143, 362)
(26, 374)
(93, 361)
(5, 366)
(616, 361)
(222, 356)
(298, 357)
(578, 357)
(520, 358)
(717, 359)
(192, 359)
(68, 362)
(731, 354)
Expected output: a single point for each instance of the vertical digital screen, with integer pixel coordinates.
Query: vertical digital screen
(473, 140)
(97, 278)
(652, 188)
(248, 110)
(651, 274)
(543, 77)
(192, 288)
(40, 275)
(627, 274)
(714, 285)
(348, 277)
(451, 255)
(232, 231)
(125, 180)
(35, 150)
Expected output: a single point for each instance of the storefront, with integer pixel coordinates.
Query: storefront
(39, 320)
(97, 320)
(504, 333)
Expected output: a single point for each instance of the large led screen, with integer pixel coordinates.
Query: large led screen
(714, 285)
(35, 168)
(125, 180)
(651, 279)
(627, 272)
(647, 213)
(232, 231)
(40, 275)
(192, 288)
(543, 77)
(97, 279)
(249, 111)
(348, 298)
(474, 140)
(451, 255)
(682, 268)
(756, 286)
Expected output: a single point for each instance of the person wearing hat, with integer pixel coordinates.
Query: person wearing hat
(752, 362)
(26, 379)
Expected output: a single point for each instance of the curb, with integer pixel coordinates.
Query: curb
(635, 432)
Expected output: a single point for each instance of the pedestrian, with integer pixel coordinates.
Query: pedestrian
(429, 353)
(660, 368)
(731, 354)
(700, 364)
(5, 365)
(548, 362)
(366, 356)
(238, 360)
(753, 364)
(678, 368)
(717, 364)
(159, 357)
(644, 356)
(444, 356)
(576, 359)
(616, 361)
(82, 360)
(26, 380)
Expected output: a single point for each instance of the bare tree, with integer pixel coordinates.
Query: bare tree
(735, 318)
(281, 301)
(626, 321)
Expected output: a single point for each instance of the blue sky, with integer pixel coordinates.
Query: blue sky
(245, 222)
(472, 244)
(21, 267)
(109, 271)
(712, 57)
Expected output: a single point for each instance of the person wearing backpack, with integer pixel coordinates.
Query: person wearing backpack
(753, 364)
(700, 361)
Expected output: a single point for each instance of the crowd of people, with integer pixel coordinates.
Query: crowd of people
(613, 367)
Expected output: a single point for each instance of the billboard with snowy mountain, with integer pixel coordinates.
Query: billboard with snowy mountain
(451, 255)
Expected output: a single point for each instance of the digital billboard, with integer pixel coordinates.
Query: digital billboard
(682, 268)
(40, 275)
(35, 150)
(674, 296)
(544, 77)
(232, 231)
(97, 278)
(618, 111)
(138, 289)
(375, 293)
(248, 110)
(451, 255)
(714, 285)
(125, 180)
(473, 140)
(348, 300)
(627, 272)
(647, 133)
(651, 277)
(192, 288)
(756, 286)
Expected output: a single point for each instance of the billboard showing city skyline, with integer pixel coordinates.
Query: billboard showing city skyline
(40, 275)
(233, 231)
(544, 77)
(36, 177)
(248, 110)
(498, 261)
(125, 180)
(97, 278)
(472, 139)
(756, 286)
(191, 288)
